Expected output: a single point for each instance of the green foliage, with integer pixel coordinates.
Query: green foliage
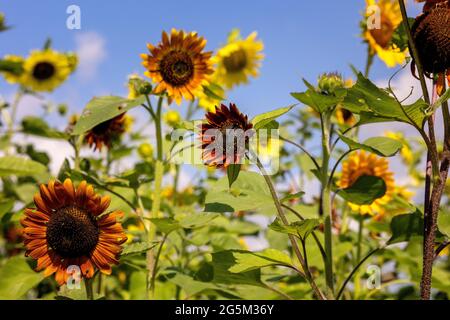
(18, 166)
(364, 191)
(300, 229)
(405, 226)
(247, 261)
(264, 119)
(382, 146)
(38, 127)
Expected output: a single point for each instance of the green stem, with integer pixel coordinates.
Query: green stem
(14, 106)
(358, 257)
(158, 254)
(89, 289)
(369, 62)
(326, 201)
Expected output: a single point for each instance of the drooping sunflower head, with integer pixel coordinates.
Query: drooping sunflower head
(238, 60)
(69, 227)
(360, 164)
(106, 133)
(379, 35)
(431, 33)
(225, 136)
(13, 76)
(45, 70)
(179, 65)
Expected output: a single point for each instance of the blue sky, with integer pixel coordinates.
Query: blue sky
(302, 39)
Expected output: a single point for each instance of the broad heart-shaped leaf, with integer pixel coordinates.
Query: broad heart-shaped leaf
(444, 223)
(137, 248)
(223, 261)
(38, 127)
(167, 225)
(382, 146)
(318, 101)
(101, 109)
(17, 278)
(247, 261)
(405, 226)
(17, 166)
(263, 119)
(299, 228)
(233, 173)
(365, 190)
(249, 192)
(366, 97)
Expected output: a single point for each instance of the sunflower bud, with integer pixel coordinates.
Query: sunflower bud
(72, 61)
(138, 86)
(3, 27)
(172, 118)
(145, 151)
(431, 32)
(329, 82)
(62, 109)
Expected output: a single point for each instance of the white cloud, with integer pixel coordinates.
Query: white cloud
(90, 48)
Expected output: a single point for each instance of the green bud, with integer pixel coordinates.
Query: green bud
(62, 109)
(329, 82)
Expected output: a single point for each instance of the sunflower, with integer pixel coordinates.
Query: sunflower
(178, 65)
(70, 227)
(238, 60)
(431, 33)
(345, 117)
(362, 163)
(13, 77)
(221, 122)
(45, 70)
(379, 39)
(107, 132)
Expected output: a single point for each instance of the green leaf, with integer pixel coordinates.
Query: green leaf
(14, 67)
(223, 261)
(365, 190)
(263, 119)
(441, 100)
(247, 261)
(197, 220)
(101, 109)
(233, 173)
(405, 226)
(249, 192)
(137, 248)
(38, 127)
(17, 166)
(444, 223)
(6, 205)
(378, 104)
(400, 36)
(382, 146)
(165, 225)
(214, 91)
(294, 196)
(17, 278)
(301, 229)
(318, 101)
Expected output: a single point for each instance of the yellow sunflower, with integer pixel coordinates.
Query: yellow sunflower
(178, 65)
(379, 39)
(362, 163)
(11, 77)
(238, 60)
(45, 70)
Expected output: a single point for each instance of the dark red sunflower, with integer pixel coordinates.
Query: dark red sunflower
(234, 129)
(107, 132)
(431, 33)
(69, 228)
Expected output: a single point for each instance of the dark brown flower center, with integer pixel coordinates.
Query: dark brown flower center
(177, 68)
(72, 232)
(103, 127)
(236, 61)
(383, 35)
(346, 115)
(43, 71)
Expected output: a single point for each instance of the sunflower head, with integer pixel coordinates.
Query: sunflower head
(345, 117)
(47, 69)
(230, 126)
(379, 37)
(108, 132)
(69, 227)
(431, 33)
(238, 60)
(178, 65)
(360, 164)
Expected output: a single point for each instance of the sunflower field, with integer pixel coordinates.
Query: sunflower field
(167, 185)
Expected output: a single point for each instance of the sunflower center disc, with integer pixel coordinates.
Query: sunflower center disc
(177, 68)
(72, 232)
(236, 61)
(383, 35)
(43, 71)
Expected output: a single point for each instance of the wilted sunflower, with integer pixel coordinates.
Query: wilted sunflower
(222, 122)
(238, 60)
(107, 132)
(13, 77)
(431, 33)
(45, 70)
(70, 227)
(178, 65)
(379, 39)
(360, 164)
